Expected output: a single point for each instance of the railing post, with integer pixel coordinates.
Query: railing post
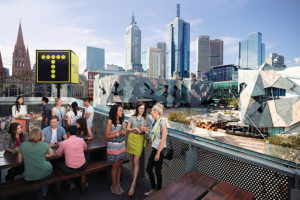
(191, 158)
(295, 192)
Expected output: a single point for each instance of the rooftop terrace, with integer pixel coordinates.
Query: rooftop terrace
(269, 172)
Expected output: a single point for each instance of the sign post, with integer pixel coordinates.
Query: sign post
(57, 67)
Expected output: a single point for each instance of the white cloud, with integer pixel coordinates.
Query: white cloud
(297, 60)
(231, 44)
(47, 25)
(195, 22)
(154, 34)
(193, 46)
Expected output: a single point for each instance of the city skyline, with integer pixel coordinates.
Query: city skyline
(58, 27)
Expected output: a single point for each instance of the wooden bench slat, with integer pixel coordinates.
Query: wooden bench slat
(240, 194)
(220, 192)
(194, 180)
(228, 191)
(196, 189)
(167, 192)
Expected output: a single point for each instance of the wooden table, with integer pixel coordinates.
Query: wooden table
(10, 160)
(195, 185)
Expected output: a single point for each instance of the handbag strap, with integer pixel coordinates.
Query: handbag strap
(154, 130)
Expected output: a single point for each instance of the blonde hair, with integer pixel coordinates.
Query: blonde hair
(35, 135)
(159, 108)
(57, 99)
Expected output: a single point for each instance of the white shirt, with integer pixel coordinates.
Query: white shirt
(89, 121)
(23, 111)
(54, 136)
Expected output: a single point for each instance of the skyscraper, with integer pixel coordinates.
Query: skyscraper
(178, 47)
(95, 58)
(252, 51)
(209, 54)
(275, 60)
(144, 61)
(133, 47)
(162, 46)
(216, 52)
(154, 61)
(202, 59)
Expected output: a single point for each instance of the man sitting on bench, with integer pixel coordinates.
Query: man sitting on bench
(73, 148)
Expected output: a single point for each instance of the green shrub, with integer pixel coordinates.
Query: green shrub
(178, 117)
(291, 141)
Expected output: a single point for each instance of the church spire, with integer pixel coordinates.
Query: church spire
(20, 40)
(27, 60)
(1, 63)
(2, 71)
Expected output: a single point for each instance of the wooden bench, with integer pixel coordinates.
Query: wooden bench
(225, 190)
(18, 186)
(193, 185)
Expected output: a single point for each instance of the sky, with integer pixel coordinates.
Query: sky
(66, 24)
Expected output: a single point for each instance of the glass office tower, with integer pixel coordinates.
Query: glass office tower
(95, 58)
(178, 47)
(252, 51)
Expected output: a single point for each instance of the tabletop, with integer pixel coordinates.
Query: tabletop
(11, 160)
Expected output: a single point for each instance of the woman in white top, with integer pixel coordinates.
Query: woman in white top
(59, 111)
(73, 114)
(19, 109)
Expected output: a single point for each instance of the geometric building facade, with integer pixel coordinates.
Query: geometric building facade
(270, 99)
(131, 89)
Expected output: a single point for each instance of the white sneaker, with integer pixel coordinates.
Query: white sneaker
(150, 192)
(115, 190)
(120, 188)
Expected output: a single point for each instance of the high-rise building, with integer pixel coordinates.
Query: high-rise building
(162, 46)
(144, 61)
(133, 47)
(178, 47)
(252, 51)
(209, 54)
(112, 67)
(216, 52)
(275, 60)
(154, 61)
(95, 58)
(203, 58)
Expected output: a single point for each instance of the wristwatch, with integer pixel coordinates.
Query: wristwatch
(117, 134)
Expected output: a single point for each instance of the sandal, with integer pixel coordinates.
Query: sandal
(131, 191)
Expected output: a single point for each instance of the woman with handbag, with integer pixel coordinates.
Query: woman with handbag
(136, 140)
(157, 135)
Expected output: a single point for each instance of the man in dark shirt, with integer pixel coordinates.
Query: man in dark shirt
(46, 114)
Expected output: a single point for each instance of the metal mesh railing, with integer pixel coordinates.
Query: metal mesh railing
(174, 169)
(264, 183)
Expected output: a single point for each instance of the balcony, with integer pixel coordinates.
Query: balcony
(269, 172)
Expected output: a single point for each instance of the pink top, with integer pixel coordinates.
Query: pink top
(73, 148)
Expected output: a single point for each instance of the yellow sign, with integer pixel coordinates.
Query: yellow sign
(57, 66)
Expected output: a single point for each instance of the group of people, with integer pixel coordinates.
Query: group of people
(33, 149)
(140, 128)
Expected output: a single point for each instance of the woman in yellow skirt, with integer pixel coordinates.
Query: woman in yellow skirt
(136, 138)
